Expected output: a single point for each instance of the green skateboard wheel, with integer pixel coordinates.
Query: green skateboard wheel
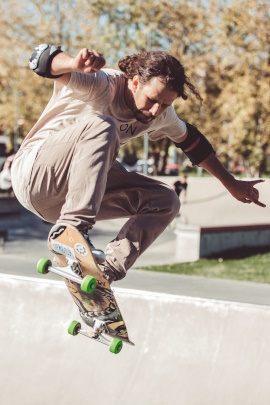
(74, 328)
(89, 284)
(43, 265)
(116, 346)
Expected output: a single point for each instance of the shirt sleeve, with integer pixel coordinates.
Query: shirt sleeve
(169, 125)
(93, 85)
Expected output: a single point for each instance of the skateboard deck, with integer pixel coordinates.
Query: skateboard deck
(99, 308)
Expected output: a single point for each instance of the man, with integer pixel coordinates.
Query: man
(181, 185)
(66, 169)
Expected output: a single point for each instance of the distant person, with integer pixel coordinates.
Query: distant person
(5, 176)
(181, 185)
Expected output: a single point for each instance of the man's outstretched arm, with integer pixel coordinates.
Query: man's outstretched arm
(200, 152)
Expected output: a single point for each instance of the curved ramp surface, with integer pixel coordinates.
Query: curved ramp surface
(188, 351)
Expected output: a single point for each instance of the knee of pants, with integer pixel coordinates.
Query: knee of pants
(173, 203)
(165, 201)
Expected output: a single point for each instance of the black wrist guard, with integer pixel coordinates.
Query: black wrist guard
(41, 59)
(201, 151)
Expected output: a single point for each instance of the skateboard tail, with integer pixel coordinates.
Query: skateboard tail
(111, 318)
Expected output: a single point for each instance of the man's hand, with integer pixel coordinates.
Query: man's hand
(245, 191)
(88, 61)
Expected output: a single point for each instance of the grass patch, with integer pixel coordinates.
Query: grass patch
(254, 268)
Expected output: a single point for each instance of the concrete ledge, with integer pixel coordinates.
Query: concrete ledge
(245, 228)
(187, 243)
(194, 242)
(221, 239)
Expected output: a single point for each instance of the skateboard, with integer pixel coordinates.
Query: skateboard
(88, 287)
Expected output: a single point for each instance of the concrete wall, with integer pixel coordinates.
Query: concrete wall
(220, 239)
(193, 242)
(188, 351)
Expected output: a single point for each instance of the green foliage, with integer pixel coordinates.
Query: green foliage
(224, 46)
(254, 268)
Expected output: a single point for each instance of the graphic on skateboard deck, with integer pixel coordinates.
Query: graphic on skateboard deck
(87, 285)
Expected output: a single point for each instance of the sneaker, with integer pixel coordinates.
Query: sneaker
(107, 273)
(97, 253)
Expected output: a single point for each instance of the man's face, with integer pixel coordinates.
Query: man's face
(150, 99)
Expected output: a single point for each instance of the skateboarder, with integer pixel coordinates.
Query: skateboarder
(66, 169)
(181, 185)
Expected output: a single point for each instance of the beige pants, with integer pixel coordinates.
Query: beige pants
(76, 180)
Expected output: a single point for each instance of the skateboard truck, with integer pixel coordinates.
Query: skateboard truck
(99, 326)
(74, 265)
(95, 333)
(88, 284)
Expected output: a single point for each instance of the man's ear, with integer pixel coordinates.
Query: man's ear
(135, 83)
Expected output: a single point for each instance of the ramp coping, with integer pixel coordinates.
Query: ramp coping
(141, 293)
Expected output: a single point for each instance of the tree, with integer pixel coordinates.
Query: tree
(246, 77)
(23, 26)
(223, 45)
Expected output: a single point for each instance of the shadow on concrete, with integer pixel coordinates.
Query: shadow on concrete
(21, 224)
(242, 253)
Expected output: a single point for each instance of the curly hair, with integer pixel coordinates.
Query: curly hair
(158, 64)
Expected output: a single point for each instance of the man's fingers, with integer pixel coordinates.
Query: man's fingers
(96, 60)
(245, 200)
(252, 198)
(254, 193)
(253, 182)
(84, 53)
(92, 60)
(100, 63)
(257, 202)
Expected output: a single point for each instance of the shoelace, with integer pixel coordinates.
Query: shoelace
(98, 253)
(86, 237)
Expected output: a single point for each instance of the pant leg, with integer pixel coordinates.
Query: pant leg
(69, 175)
(150, 206)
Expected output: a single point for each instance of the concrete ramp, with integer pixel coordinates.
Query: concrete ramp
(188, 351)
